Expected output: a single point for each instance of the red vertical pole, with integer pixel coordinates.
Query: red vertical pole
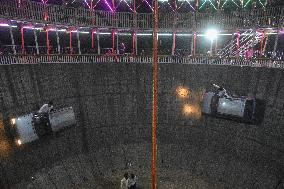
(174, 43)
(238, 43)
(155, 96)
(70, 43)
(47, 41)
(134, 43)
(113, 41)
(194, 44)
(23, 40)
(261, 43)
(113, 6)
(93, 41)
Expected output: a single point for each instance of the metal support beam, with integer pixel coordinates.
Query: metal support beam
(98, 41)
(79, 42)
(275, 44)
(173, 44)
(155, 96)
(22, 40)
(232, 45)
(117, 45)
(58, 42)
(70, 42)
(47, 42)
(36, 42)
(12, 40)
(193, 44)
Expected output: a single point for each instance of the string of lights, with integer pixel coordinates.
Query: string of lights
(165, 5)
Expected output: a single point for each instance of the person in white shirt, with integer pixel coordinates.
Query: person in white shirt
(46, 108)
(221, 92)
(124, 182)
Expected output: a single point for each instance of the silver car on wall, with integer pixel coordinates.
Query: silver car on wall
(33, 126)
(238, 108)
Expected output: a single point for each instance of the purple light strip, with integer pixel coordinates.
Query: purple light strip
(128, 6)
(148, 4)
(87, 4)
(190, 5)
(108, 5)
(4, 25)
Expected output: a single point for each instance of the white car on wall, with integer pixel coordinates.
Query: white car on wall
(33, 126)
(239, 108)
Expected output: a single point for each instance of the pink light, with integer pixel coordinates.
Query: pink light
(28, 27)
(44, 1)
(4, 25)
(87, 4)
(128, 6)
(108, 5)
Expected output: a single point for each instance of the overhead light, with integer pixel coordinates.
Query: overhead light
(212, 34)
(144, 34)
(19, 142)
(104, 33)
(165, 34)
(183, 34)
(4, 25)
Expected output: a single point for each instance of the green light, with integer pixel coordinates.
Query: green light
(247, 3)
(209, 2)
(232, 1)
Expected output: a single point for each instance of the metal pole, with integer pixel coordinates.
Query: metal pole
(23, 40)
(117, 49)
(275, 45)
(136, 45)
(47, 41)
(238, 43)
(232, 44)
(174, 43)
(58, 41)
(93, 44)
(79, 43)
(98, 41)
(36, 42)
(211, 48)
(193, 44)
(265, 44)
(12, 40)
(113, 41)
(70, 42)
(155, 96)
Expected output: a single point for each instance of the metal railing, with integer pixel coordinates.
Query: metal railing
(55, 14)
(41, 59)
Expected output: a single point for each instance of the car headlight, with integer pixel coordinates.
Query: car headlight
(19, 142)
(13, 121)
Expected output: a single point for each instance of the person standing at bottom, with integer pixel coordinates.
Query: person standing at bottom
(132, 182)
(124, 182)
